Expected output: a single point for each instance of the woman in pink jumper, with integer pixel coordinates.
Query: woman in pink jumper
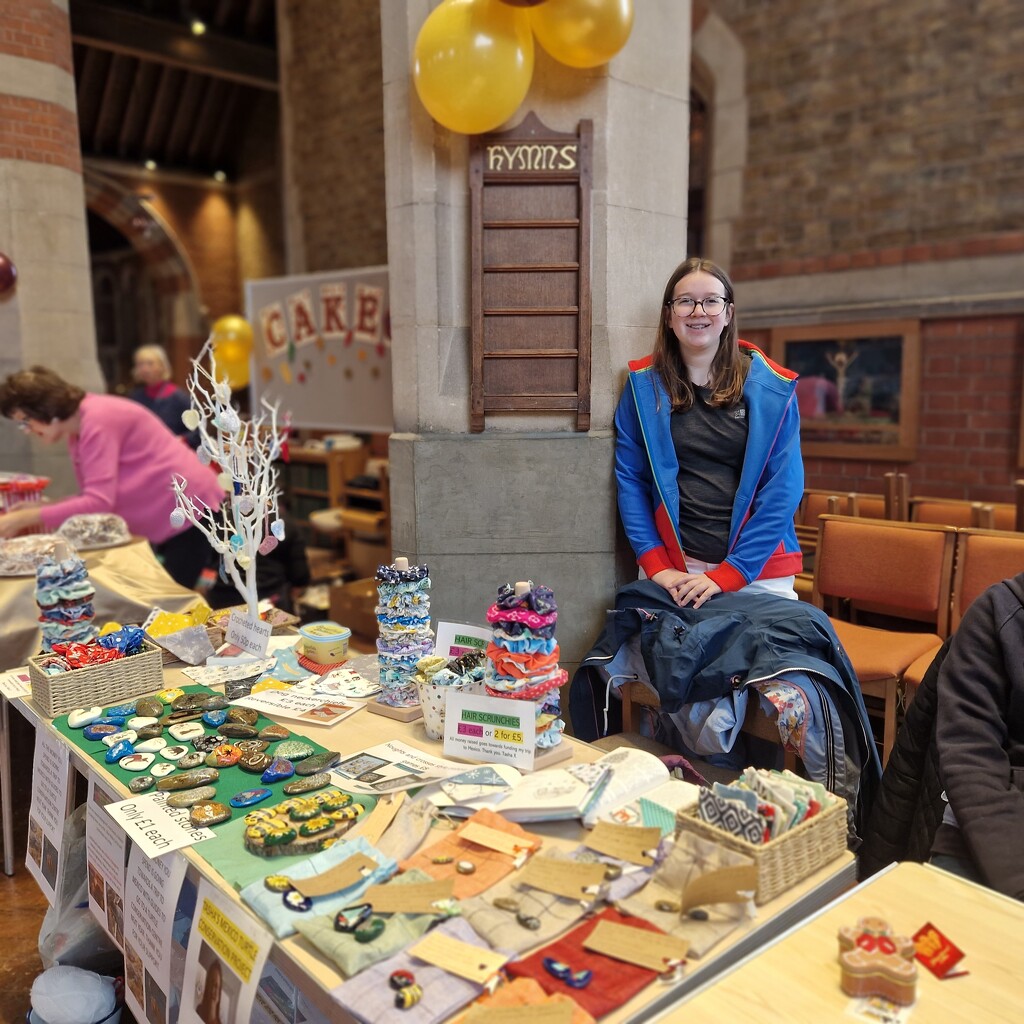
(124, 458)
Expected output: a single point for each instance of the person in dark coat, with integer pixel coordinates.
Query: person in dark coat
(157, 392)
(972, 751)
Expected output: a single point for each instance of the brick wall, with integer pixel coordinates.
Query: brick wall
(333, 85)
(35, 30)
(879, 133)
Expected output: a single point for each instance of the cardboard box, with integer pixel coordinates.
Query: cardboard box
(352, 605)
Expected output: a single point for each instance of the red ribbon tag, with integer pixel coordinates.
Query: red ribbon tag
(937, 953)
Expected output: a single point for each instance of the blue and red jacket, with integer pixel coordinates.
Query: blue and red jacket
(762, 538)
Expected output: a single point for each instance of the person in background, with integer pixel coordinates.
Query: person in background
(124, 459)
(707, 453)
(156, 391)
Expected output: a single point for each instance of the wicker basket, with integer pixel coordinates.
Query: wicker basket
(782, 862)
(109, 683)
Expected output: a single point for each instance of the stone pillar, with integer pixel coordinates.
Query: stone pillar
(529, 498)
(48, 317)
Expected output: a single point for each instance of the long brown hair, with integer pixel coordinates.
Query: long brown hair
(40, 394)
(728, 369)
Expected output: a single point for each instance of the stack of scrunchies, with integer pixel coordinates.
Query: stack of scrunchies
(523, 655)
(64, 595)
(404, 633)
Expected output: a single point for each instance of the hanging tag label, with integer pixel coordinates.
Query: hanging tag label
(417, 898)
(569, 878)
(653, 950)
(474, 963)
(723, 885)
(373, 825)
(627, 842)
(339, 878)
(553, 1011)
(494, 839)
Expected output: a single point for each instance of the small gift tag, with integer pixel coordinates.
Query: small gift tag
(342, 876)
(569, 878)
(375, 824)
(653, 950)
(473, 963)
(721, 885)
(551, 1011)
(937, 953)
(627, 842)
(494, 839)
(416, 898)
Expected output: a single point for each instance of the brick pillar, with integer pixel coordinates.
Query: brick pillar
(48, 317)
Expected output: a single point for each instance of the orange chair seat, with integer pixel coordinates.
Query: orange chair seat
(883, 653)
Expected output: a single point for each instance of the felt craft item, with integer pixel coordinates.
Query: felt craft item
(369, 996)
(282, 921)
(690, 858)
(441, 859)
(353, 956)
(493, 918)
(522, 992)
(409, 830)
(626, 882)
(612, 982)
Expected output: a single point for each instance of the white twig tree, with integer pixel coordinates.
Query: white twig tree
(247, 523)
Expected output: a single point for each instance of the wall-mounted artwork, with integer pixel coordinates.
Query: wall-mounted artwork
(858, 387)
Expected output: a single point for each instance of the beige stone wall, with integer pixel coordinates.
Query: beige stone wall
(332, 93)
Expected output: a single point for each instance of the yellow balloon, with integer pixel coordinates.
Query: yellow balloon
(582, 33)
(232, 328)
(232, 362)
(472, 63)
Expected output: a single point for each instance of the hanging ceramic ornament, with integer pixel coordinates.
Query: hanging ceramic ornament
(177, 518)
(245, 505)
(225, 481)
(267, 545)
(236, 541)
(190, 418)
(277, 528)
(243, 560)
(228, 420)
(204, 456)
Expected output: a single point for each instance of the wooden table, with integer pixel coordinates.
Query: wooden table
(796, 977)
(315, 975)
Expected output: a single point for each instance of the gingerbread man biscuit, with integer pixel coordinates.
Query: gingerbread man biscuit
(874, 962)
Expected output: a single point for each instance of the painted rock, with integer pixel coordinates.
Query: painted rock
(136, 762)
(170, 695)
(237, 731)
(209, 813)
(151, 746)
(150, 707)
(257, 746)
(117, 751)
(204, 744)
(150, 732)
(215, 718)
(243, 716)
(188, 797)
(294, 750)
(115, 720)
(193, 759)
(140, 722)
(161, 768)
(188, 702)
(278, 769)
(122, 710)
(175, 753)
(186, 730)
(82, 717)
(307, 784)
(318, 763)
(98, 730)
(189, 780)
(215, 702)
(224, 756)
(178, 717)
(129, 735)
(141, 784)
(248, 797)
(273, 732)
(254, 761)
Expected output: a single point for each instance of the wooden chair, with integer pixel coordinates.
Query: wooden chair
(756, 723)
(894, 575)
(945, 511)
(814, 504)
(1000, 515)
(983, 557)
(897, 496)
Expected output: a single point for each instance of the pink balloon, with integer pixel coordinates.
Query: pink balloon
(8, 273)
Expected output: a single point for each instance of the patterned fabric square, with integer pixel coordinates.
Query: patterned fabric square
(526, 992)
(489, 866)
(689, 859)
(614, 982)
(352, 956)
(369, 997)
(730, 817)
